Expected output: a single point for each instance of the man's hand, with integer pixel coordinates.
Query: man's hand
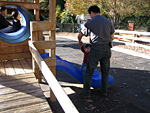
(80, 35)
(80, 43)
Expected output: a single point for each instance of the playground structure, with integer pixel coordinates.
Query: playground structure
(24, 32)
(18, 50)
(37, 46)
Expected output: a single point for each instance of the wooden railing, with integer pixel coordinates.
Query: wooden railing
(133, 35)
(61, 96)
(47, 67)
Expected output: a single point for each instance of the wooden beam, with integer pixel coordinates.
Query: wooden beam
(52, 10)
(15, 56)
(61, 96)
(50, 63)
(26, 5)
(45, 44)
(42, 26)
(17, 44)
(14, 49)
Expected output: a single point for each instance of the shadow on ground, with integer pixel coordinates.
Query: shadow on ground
(130, 93)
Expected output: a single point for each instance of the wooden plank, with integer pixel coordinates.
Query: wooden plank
(41, 38)
(14, 49)
(17, 82)
(2, 70)
(133, 38)
(52, 10)
(20, 95)
(9, 68)
(42, 26)
(34, 35)
(37, 15)
(17, 67)
(22, 88)
(42, 107)
(11, 78)
(27, 68)
(26, 5)
(17, 44)
(20, 103)
(52, 35)
(45, 44)
(15, 56)
(26, 97)
(29, 61)
(132, 32)
(50, 62)
(61, 96)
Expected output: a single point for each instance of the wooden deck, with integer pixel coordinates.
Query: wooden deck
(19, 90)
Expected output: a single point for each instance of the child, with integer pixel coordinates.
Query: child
(16, 22)
(85, 49)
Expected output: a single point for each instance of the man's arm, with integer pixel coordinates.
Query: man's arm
(112, 37)
(80, 35)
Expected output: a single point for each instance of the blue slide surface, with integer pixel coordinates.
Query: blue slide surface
(24, 32)
(77, 73)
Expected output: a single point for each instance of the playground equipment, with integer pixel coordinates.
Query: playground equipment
(15, 45)
(25, 29)
(77, 73)
(37, 46)
(24, 32)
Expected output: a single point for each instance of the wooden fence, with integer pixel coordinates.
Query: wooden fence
(132, 35)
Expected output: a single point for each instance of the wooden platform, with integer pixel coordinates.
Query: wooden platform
(19, 89)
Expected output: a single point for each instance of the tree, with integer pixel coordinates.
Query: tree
(118, 9)
(66, 17)
(77, 7)
(115, 10)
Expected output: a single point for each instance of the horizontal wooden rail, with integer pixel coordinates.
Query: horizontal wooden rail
(61, 96)
(42, 26)
(45, 44)
(134, 35)
(133, 38)
(27, 5)
(132, 32)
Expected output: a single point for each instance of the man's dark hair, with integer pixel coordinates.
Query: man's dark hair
(87, 45)
(94, 9)
(3, 8)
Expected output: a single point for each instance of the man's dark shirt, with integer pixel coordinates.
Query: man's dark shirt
(3, 22)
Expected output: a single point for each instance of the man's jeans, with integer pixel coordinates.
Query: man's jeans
(98, 53)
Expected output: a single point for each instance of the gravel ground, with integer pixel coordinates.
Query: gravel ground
(124, 46)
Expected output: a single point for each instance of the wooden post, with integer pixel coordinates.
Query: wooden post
(35, 37)
(52, 18)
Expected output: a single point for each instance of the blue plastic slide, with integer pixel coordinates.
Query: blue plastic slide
(77, 73)
(24, 32)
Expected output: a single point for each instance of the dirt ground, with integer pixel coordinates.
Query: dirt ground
(130, 92)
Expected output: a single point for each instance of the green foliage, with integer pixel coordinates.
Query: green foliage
(60, 3)
(58, 13)
(66, 17)
(139, 21)
(44, 4)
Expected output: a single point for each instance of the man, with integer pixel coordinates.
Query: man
(3, 22)
(101, 35)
